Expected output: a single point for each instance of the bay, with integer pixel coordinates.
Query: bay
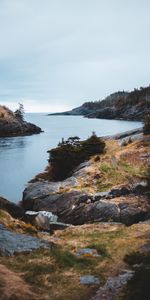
(21, 158)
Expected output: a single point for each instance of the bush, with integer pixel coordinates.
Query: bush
(70, 153)
(146, 127)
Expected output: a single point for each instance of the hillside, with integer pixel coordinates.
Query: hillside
(120, 105)
(104, 252)
(13, 125)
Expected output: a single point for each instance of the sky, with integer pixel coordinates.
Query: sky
(57, 54)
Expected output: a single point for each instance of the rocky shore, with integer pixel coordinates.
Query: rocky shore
(88, 233)
(10, 125)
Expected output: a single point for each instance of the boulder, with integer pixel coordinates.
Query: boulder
(14, 243)
(44, 189)
(41, 219)
(131, 214)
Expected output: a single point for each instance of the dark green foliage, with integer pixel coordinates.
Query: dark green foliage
(70, 153)
(146, 127)
(19, 113)
(121, 99)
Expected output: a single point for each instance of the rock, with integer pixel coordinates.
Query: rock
(41, 219)
(13, 243)
(145, 248)
(113, 286)
(10, 125)
(140, 188)
(72, 207)
(87, 252)
(44, 189)
(58, 226)
(130, 214)
(116, 192)
(89, 280)
(101, 195)
(103, 211)
(13, 209)
(77, 208)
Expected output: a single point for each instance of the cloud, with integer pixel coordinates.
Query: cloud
(66, 52)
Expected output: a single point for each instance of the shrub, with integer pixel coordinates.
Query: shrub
(19, 113)
(146, 127)
(70, 153)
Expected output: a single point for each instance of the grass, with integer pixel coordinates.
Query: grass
(56, 273)
(121, 173)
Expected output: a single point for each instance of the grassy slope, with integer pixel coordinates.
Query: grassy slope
(56, 274)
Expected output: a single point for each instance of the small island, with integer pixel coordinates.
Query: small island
(13, 123)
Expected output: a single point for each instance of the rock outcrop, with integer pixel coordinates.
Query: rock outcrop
(11, 125)
(77, 208)
(14, 243)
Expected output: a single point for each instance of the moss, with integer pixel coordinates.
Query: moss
(65, 259)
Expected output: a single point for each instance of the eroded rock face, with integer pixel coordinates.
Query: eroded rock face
(77, 208)
(13, 243)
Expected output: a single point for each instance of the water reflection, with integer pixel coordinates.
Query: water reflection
(13, 143)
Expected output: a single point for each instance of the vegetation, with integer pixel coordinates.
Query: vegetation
(146, 127)
(56, 273)
(120, 173)
(19, 113)
(70, 153)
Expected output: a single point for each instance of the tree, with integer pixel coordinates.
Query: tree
(70, 153)
(19, 113)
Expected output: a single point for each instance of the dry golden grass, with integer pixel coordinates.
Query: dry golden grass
(15, 224)
(55, 274)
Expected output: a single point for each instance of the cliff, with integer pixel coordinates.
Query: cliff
(11, 125)
(132, 105)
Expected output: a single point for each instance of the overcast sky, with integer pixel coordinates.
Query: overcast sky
(57, 54)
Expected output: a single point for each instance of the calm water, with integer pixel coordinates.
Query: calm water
(21, 158)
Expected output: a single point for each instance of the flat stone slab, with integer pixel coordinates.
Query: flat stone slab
(89, 279)
(13, 243)
(88, 252)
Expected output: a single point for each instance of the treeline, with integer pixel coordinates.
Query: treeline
(139, 96)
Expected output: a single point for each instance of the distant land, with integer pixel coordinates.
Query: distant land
(13, 124)
(121, 105)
